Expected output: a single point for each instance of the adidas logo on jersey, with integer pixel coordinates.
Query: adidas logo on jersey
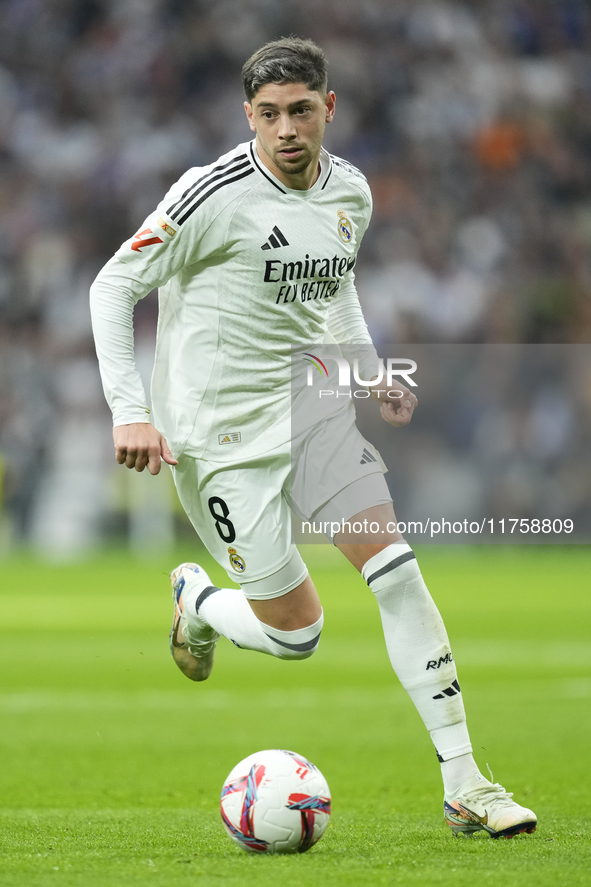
(367, 457)
(449, 691)
(275, 240)
(229, 438)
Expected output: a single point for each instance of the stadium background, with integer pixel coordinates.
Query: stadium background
(471, 121)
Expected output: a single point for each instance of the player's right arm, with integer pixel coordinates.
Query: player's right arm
(147, 260)
(113, 296)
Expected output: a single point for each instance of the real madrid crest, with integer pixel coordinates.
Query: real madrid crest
(236, 561)
(345, 227)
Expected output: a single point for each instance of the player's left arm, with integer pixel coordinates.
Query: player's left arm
(347, 325)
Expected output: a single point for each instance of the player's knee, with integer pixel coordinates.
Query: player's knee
(301, 643)
(282, 653)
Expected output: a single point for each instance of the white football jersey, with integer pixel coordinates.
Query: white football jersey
(246, 268)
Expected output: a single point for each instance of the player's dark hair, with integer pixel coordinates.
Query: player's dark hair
(288, 60)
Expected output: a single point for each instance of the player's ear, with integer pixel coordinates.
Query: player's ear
(330, 104)
(250, 116)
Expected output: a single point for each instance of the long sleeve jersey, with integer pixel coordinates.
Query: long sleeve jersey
(248, 271)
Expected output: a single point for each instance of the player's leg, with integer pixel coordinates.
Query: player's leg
(421, 656)
(287, 627)
(337, 473)
(277, 610)
(338, 481)
(416, 639)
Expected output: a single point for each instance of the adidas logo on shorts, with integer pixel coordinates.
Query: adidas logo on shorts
(367, 457)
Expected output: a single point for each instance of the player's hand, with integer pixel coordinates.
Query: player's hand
(395, 410)
(140, 446)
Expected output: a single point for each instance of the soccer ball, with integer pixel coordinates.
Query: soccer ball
(275, 801)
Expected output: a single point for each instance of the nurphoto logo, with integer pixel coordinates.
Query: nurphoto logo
(393, 366)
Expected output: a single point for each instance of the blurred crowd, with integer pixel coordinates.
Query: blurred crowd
(472, 122)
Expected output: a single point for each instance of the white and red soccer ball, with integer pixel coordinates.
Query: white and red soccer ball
(275, 801)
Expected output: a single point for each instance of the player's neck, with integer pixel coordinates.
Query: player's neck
(302, 181)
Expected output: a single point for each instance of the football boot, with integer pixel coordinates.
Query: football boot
(480, 805)
(194, 654)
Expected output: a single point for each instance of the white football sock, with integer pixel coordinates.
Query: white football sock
(456, 771)
(228, 612)
(418, 647)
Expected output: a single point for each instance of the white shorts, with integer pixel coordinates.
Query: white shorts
(243, 512)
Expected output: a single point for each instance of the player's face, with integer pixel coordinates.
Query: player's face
(289, 121)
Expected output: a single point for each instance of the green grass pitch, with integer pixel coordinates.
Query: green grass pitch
(111, 762)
